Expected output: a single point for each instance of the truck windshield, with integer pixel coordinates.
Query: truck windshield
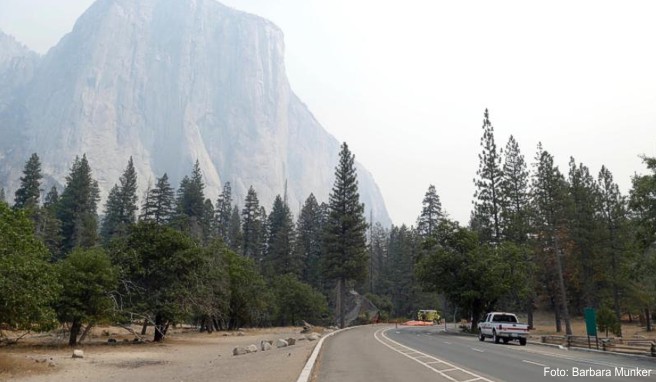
(504, 318)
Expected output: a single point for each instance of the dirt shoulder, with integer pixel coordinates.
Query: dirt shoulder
(185, 357)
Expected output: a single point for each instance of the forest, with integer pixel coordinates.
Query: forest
(538, 238)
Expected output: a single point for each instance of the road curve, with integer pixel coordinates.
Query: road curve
(384, 353)
(367, 354)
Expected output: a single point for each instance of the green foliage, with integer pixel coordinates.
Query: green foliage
(224, 212)
(77, 207)
(309, 245)
(161, 270)
(383, 303)
(345, 230)
(472, 275)
(28, 282)
(280, 256)
(235, 236)
(486, 217)
(607, 321)
(514, 195)
(252, 221)
(249, 296)
(158, 207)
(296, 302)
(431, 213)
(88, 278)
(28, 194)
(121, 206)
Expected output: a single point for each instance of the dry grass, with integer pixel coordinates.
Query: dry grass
(12, 365)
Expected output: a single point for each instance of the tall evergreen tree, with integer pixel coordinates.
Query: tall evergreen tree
(378, 257)
(159, 204)
(78, 207)
(487, 207)
(191, 194)
(584, 230)
(613, 210)
(28, 194)
(345, 233)
(642, 202)
(252, 227)
(49, 225)
(514, 195)
(3, 198)
(431, 213)
(224, 212)
(121, 206)
(549, 190)
(235, 236)
(280, 257)
(309, 245)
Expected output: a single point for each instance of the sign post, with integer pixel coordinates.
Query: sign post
(590, 315)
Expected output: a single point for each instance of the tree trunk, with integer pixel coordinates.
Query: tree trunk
(76, 325)
(648, 319)
(476, 312)
(160, 328)
(144, 328)
(529, 313)
(563, 291)
(86, 331)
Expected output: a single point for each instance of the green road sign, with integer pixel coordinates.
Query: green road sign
(590, 321)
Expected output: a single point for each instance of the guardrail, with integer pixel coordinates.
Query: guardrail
(636, 346)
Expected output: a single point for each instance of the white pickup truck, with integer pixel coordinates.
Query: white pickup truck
(502, 327)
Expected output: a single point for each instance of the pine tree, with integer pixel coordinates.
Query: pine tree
(584, 230)
(514, 195)
(613, 210)
(190, 203)
(235, 236)
(345, 233)
(50, 225)
(3, 198)
(487, 207)
(78, 207)
(121, 206)
(549, 190)
(158, 206)
(309, 245)
(224, 212)
(280, 256)
(431, 213)
(207, 221)
(28, 194)
(252, 227)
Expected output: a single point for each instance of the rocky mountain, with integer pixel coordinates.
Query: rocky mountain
(168, 82)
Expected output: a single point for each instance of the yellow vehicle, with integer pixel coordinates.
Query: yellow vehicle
(429, 315)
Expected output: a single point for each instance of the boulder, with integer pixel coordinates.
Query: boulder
(281, 343)
(251, 349)
(239, 350)
(240, 334)
(77, 353)
(313, 336)
(265, 345)
(307, 328)
(291, 341)
(51, 363)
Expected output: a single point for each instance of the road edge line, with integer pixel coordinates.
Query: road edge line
(306, 373)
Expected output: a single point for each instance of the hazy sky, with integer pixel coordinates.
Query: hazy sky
(406, 83)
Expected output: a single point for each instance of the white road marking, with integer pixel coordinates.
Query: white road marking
(478, 350)
(381, 334)
(534, 363)
(448, 343)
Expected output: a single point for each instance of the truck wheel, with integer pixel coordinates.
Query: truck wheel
(505, 340)
(481, 337)
(522, 341)
(495, 338)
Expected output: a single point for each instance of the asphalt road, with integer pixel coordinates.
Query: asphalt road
(384, 353)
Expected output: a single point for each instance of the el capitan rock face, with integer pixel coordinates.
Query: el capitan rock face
(168, 82)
